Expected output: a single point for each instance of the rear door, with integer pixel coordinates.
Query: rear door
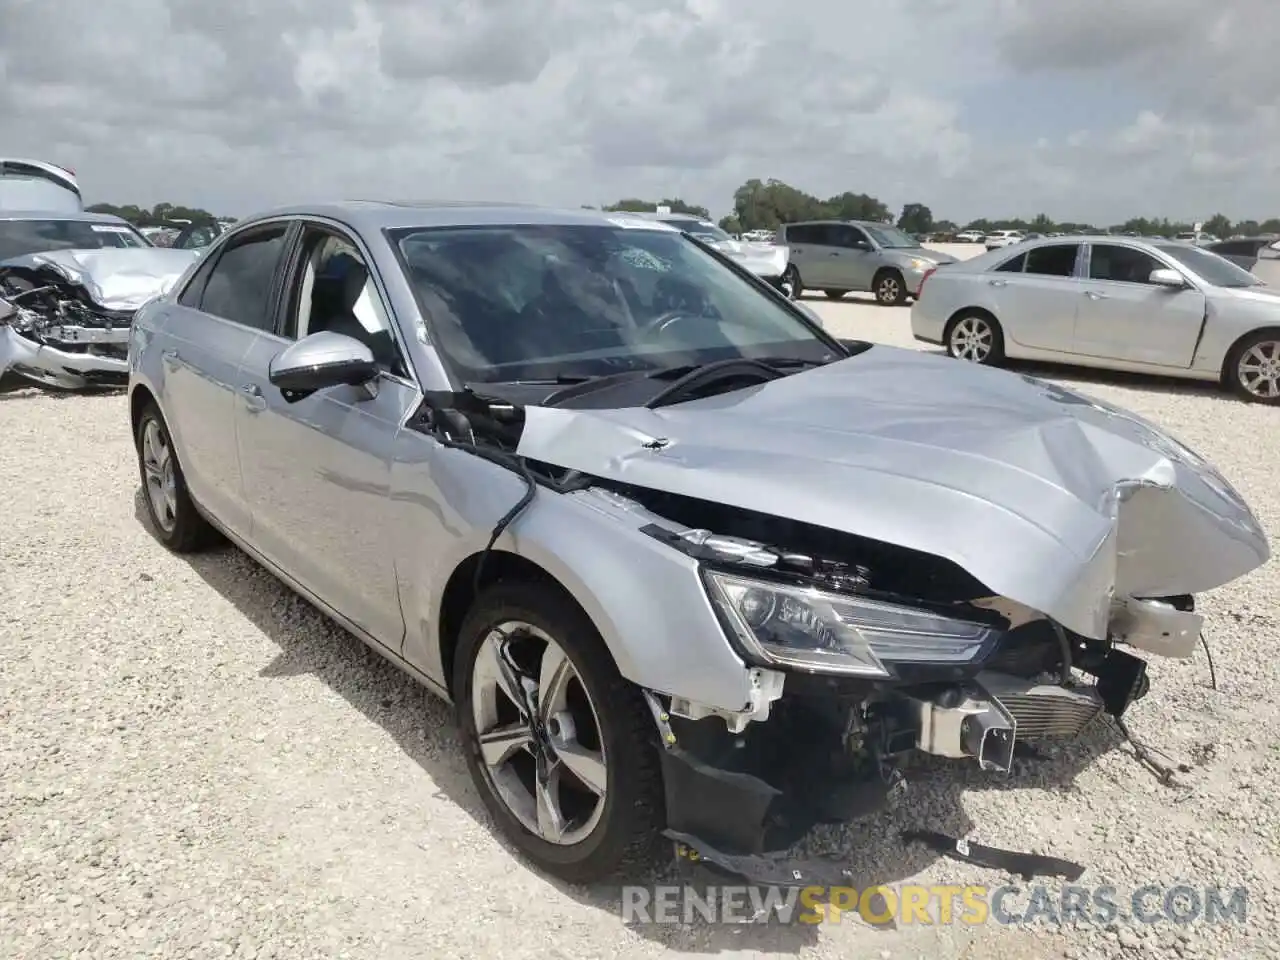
(1036, 294)
(228, 304)
(808, 251)
(1124, 316)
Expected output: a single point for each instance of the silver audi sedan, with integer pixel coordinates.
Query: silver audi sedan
(1120, 303)
(684, 564)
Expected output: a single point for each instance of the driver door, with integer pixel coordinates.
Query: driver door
(317, 472)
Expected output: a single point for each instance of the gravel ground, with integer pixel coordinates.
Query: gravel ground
(195, 764)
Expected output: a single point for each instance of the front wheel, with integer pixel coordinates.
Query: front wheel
(890, 289)
(561, 747)
(1253, 368)
(975, 337)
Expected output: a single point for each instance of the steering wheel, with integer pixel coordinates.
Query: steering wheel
(661, 324)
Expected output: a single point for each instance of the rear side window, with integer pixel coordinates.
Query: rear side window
(1056, 260)
(240, 284)
(1013, 266)
(799, 233)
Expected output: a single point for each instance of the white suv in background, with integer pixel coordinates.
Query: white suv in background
(1003, 238)
(969, 236)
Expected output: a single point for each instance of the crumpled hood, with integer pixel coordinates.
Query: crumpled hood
(115, 278)
(1051, 499)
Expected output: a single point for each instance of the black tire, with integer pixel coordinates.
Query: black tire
(995, 355)
(629, 831)
(792, 276)
(1232, 378)
(890, 289)
(835, 294)
(188, 531)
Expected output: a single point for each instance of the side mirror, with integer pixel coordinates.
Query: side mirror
(1164, 277)
(324, 359)
(862, 245)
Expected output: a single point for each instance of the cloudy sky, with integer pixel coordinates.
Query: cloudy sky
(1088, 109)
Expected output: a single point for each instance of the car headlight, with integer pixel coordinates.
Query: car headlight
(810, 629)
(918, 264)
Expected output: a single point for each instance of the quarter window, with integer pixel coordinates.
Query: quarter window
(1013, 266)
(1122, 264)
(240, 284)
(1055, 260)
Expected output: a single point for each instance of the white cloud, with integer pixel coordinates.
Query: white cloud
(584, 101)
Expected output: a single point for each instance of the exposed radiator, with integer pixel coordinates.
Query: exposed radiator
(1043, 710)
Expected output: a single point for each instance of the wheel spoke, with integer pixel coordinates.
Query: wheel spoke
(586, 765)
(550, 817)
(493, 659)
(553, 680)
(499, 745)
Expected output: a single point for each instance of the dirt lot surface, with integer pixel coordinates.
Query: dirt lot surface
(195, 764)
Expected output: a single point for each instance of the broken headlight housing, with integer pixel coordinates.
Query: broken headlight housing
(816, 631)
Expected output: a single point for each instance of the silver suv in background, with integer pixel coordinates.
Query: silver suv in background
(840, 256)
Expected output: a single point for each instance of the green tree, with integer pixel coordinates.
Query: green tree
(634, 205)
(1270, 226)
(916, 218)
(764, 204)
(1218, 225)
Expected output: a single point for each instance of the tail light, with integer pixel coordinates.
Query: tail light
(923, 280)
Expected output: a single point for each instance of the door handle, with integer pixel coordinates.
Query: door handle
(998, 283)
(253, 398)
(171, 358)
(834, 253)
(1094, 295)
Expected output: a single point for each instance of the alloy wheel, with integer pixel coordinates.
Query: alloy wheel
(539, 734)
(889, 290)
(972, 339)
(158, 466)
(1259, 370)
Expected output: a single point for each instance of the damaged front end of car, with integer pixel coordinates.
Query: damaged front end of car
(895, 577)
(863, 655)
(65, 314)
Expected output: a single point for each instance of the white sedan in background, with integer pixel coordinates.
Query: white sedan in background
(1159, 307)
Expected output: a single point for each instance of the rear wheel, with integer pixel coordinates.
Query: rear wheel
(174, 518)
(1253, 367)
(561, 747)
(791, 278)
(975, 336)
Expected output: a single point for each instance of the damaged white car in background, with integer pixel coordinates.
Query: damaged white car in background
(65, 314)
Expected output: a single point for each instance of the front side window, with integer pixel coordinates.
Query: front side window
(240, 284)
(335, 291)
(1121, 264)
(892, 238)
(529, 302)
(849, 237)
(1055, 260)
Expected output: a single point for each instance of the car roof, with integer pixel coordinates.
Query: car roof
(62, 215)
(373, 215)
(858, 223)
